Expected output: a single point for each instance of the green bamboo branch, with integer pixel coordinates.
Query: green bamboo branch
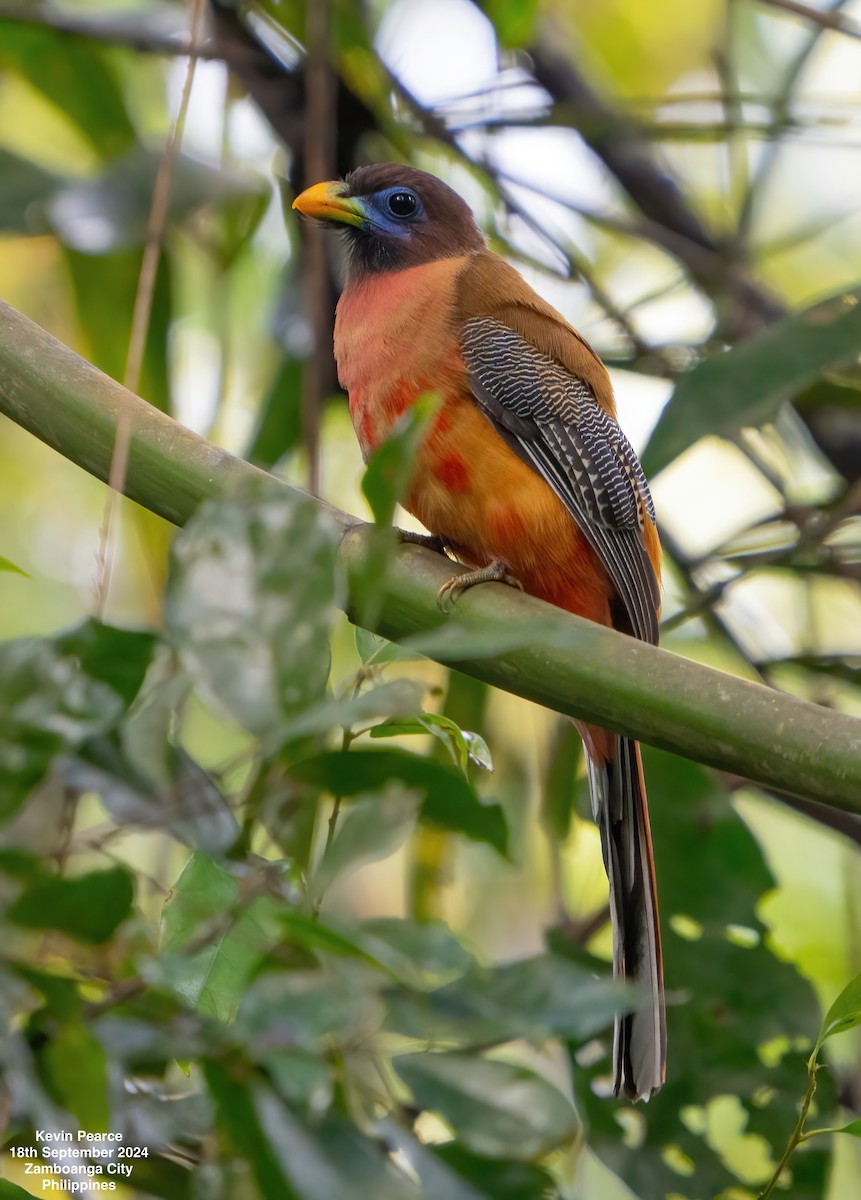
(571, 665)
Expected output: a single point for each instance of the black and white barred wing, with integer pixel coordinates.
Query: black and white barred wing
(552, 420)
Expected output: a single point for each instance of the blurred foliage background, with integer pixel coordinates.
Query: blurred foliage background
(193, 951)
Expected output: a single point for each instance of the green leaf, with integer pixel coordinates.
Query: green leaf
(368, 644)
(853, 1128)
(746, 385)
(145, 1033)
(373, 828)
(186, 802)
(48, 704)
(169, 1180)
(118, 657)
(397, 697)
(109, 212)
(75, 76)
(390, 467)
(477, 750)
(496, 1109)
(330, 1159)
(540, 997)
(513, 20)
(6, 564)
(384, 485)
(421, 953)
(437, 1181)
(279, 426)
(497, 1178)
(144, 777)
(296, 1159)
(210, 942)
(88, 907)
(448, 800)
(303, 1079)
(236, 1115)
(213, 980)
(77, 1067)
(313, 1010)
(378, 650)
(57, 694)
(105, 287)
(203, 892)
(328, 936)
(62, 999)
(250, 601)
(449, 1172)
(19, 864)
(534, 998)
(464, 746)
(844, 1013)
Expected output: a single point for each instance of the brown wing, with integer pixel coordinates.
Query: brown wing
(552, 419)
(490, 287)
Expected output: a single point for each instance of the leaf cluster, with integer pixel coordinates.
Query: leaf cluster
(297, 1031)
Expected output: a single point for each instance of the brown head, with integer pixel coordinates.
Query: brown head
(394, 217)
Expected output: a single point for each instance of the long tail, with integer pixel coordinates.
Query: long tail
(621, 811)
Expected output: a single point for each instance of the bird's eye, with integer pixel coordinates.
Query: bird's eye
(402, 204)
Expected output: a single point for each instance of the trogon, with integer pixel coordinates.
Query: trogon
(523, 474)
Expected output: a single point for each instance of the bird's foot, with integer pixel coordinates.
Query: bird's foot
(429, 540)
(495, 572)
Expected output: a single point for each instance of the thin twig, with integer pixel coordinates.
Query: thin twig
(138, 31)
(347, 741)
(736, 141)
(333, 823)
(780, 124)
(158, 213)
(116, 479)
(798, 1132)
(622, 144)
(579, 931)
(143, 310)
(847, 824)
(319, 156)
(435, 127)
(348, 738)
(824, 19)
(709, 614)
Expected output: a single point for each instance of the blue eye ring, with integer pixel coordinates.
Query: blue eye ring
(402, 203)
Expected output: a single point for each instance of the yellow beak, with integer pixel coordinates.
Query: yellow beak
(327, 202)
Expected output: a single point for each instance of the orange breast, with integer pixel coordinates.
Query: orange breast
(395, 340)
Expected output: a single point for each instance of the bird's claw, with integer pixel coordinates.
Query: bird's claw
(495, 572)
(429, 540)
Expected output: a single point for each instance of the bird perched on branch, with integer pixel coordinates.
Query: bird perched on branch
(523, 473)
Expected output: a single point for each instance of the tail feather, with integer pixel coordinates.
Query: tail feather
(620, 808)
